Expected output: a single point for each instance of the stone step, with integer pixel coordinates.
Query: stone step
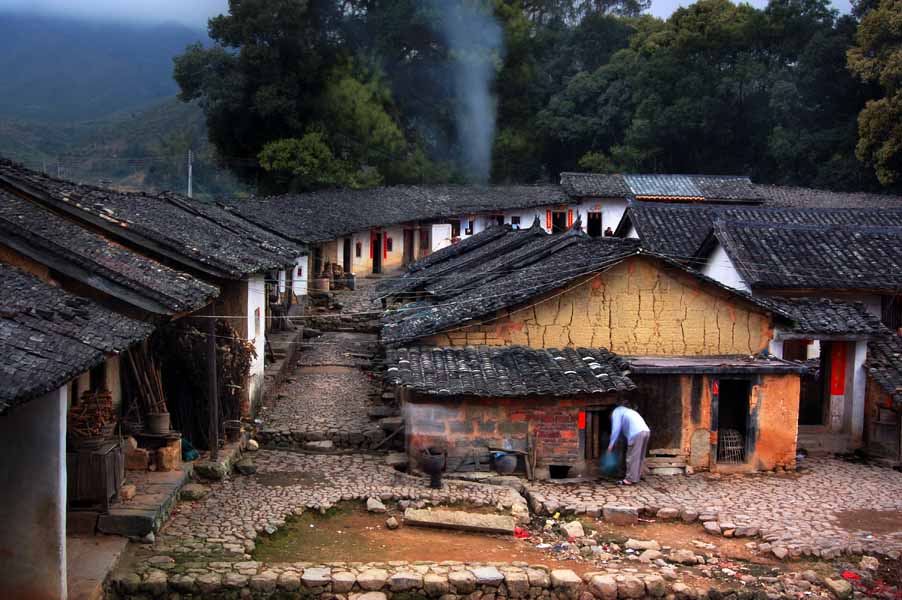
(464, 521)
(148, 510)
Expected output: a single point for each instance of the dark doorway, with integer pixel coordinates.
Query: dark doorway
(812, 408)
(317, 261)
(733, 420)
(499, 219)
(346, 255)
(408, 246)
(593, 224)
(558, 221)
(377, 253)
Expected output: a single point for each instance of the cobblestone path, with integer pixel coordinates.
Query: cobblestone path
(227, 521)
(795, 512)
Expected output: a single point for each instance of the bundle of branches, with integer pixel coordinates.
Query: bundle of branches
(146, 376)
(182, 346)
(93, 415)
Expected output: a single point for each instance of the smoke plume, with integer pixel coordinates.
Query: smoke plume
(476, 46)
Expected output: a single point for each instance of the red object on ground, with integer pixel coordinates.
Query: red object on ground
(851, 575)
(520, 533)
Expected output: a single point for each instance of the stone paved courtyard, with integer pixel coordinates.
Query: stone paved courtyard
(227, 521)
(796, 512)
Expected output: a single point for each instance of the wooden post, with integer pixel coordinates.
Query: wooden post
(212, 386)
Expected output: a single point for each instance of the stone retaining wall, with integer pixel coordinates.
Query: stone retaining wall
(284, 438)
(381, 581)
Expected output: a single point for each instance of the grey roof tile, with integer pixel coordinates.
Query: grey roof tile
(884, 366)
(507, 371)
(48, 336)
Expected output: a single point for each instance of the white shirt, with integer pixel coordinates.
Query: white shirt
(627, 421)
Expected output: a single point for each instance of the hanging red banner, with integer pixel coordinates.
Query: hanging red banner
(838, 368)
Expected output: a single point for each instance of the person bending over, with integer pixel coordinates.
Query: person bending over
(632, 426)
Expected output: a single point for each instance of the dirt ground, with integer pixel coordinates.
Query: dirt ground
(350, 534)
(873, 521)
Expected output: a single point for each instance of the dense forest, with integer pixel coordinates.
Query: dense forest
(365, 92)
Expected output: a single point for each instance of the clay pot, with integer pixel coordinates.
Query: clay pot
(158, 422)
(506, 463)
(433, 461)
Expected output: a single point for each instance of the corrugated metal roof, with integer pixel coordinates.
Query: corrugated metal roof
(677, 186)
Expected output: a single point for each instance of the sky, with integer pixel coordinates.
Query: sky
(194, 13)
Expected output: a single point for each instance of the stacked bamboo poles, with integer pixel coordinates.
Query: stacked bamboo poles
(147, 379)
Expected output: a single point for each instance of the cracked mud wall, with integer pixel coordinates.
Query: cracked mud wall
(636, 308)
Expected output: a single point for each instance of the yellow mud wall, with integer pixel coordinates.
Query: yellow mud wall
(635, 308)
(775, 400)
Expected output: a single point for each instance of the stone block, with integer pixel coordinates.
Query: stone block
(839, 587)
(462, 582)
(565, 579)
(264, 582)
(289, 581)
(538, 578)
(688, 516)
(603, 587)
(488, 576)
(517, 584)
(374, 505)
(317, 577)
(655, 586)
(620, 515)
(642, 544)
(193, 491)
(372, 580)
(230, 581)
(449, 519)
(668, 514)
(370, 596)
(435, 585)
(405, 581)
(573, 529)
(630, 587)
(137, 460)
(343, 582)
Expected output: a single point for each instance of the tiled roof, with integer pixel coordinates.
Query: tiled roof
(48, 336)
(184, 230)
(714, 188)
(826, 317)
(884, 365)
(679, 230)
(816, 257)
(800, 197)
(724, 365)
(547, 272)
(507, 371)
(91, 259)
(326, 215)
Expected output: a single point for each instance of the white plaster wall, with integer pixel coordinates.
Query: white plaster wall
(632, 233)
(256, 333)
(859, 380)
(33, 508)
(282, 279)
(720, 268)
(441, 236)
(814, 349)
(299, 279)
(775, 347)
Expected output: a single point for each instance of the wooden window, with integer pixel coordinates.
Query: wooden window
(358, 249)
(515, 222)
(389, 245)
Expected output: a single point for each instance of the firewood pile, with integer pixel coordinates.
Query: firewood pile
(149, 385)
(93, 416)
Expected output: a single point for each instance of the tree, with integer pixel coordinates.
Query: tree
(877, 57)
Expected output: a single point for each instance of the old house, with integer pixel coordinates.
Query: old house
(51, 341)
(202, 240)
(883, 401)
(697, 349)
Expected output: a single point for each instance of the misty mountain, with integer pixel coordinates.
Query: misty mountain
(57, 69)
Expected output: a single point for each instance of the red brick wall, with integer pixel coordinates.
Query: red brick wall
(464, 425)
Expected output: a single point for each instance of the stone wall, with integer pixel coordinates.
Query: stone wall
(638, 307)
(449, 580)
(466, 425)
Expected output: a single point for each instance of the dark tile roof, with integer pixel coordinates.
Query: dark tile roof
(48, 336)
(93, 260)
(884, 366)
(547, 272)
(659, 365)
(801, 197)
(182, 229)
(507, 371)
(816, 257)
(326, 215)
(713, 188)
(679, 230)
(827, 317)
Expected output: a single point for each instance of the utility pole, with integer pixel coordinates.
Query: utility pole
(190, 157)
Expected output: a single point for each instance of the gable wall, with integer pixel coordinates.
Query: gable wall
(635, 308)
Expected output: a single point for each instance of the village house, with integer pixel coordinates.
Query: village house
(248, 264)
(698, 351)
(883, 402)
(52, 341)
(800, 244)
